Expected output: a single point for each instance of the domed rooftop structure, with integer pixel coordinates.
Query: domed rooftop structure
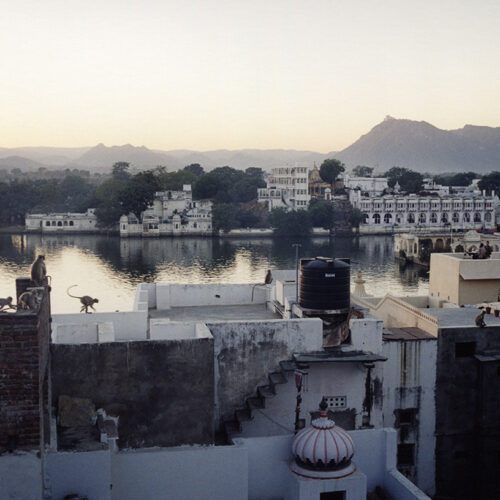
(323, 450)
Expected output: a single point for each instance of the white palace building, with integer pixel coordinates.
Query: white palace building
(400, 213)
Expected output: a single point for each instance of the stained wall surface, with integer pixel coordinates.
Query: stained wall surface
(162, 391)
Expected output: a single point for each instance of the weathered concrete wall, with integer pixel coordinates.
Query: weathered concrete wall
(246, 352)
(216, 472)
(467, 413)
(128, 325)
(409, 378)
(163, 391)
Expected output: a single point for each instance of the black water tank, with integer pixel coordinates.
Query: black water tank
(325, 284)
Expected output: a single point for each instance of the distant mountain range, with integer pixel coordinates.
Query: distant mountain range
(393, 142)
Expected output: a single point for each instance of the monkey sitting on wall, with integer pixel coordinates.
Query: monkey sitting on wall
(38, 271)
(85, 300)
(6, 304)
(480, 319)
(29, 300)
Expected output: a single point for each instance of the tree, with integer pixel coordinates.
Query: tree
(195, 169)
(120, 170)
(139, 193)
(223, 217)
(174, 181)
(490, 182)
(107, 201)
(459, 179)
(355, 218)
(255, 172)
(409, 180)
(330, 170)
(362, 171)
(293, 223)
(321, 213)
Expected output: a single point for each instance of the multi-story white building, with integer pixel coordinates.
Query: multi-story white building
(401, 213)
(171, 213)
(62, 222)
(287, 187)
(371, 185)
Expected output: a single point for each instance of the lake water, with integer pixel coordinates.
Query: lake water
(110, 268)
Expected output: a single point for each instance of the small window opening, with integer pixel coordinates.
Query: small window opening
(406, 454)
(332, 495)
(465, 349)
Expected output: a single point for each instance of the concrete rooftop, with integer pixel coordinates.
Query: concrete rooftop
(207, 314)
(460, 316)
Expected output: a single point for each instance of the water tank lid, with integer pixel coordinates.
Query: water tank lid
(323, 263)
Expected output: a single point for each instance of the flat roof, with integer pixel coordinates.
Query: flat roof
(460, 316)
(406, 333)
(208, 314)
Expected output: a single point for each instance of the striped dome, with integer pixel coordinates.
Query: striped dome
(323, 450)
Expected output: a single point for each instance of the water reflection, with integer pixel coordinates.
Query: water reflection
(110, 268)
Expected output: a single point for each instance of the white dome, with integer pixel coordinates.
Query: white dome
(323, 450)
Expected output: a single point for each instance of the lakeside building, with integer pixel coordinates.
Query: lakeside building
(374, 186)
(401, 213)
(172, 213)
(62, 222)
(287, 187)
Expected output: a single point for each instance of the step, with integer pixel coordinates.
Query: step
(288, 366)
(255, 403)
(265, 391)
(277, 378)
(243, 415)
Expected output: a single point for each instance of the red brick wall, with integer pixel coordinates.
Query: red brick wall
(24, 339)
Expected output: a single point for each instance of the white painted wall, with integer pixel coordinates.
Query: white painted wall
(86, 473)
(187, 473)
(219, 294)
(127, 325)
(164, 329)
(366, 335)
(375, 456)
(20, 476)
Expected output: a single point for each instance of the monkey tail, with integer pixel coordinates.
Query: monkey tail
(74, 296)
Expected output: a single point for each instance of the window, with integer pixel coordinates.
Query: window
(65, 222)
(477, 217)
(365, 218)
(332, 495)
(59, 224)
(71, 223)
(124, 226)
(405, 417)
(444, 218)
(434, 218)
(466, 217)
(422, 218)
(53, 222)
(376, 218)
(487, 217)
(387, 218)
(465, 349)
(411, 219)
(47, 223)
(406, 454)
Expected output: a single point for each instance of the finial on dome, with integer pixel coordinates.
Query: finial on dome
(323, 406)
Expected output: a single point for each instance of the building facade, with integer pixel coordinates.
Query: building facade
(371, 185)
(400, 213)
(62, 222)
(287, 187)
(172, 213)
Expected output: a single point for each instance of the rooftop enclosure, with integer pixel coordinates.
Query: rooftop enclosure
(254, 469)
(463, 280)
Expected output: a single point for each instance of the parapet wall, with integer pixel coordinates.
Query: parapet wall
(161, 390)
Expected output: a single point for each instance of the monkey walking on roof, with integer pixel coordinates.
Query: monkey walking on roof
(6, 304)
(85, 300)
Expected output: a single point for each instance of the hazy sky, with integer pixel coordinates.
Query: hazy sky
(208, 74)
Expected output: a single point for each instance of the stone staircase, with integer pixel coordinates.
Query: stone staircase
(233, 428)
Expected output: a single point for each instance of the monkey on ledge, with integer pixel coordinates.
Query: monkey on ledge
(85, 300)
